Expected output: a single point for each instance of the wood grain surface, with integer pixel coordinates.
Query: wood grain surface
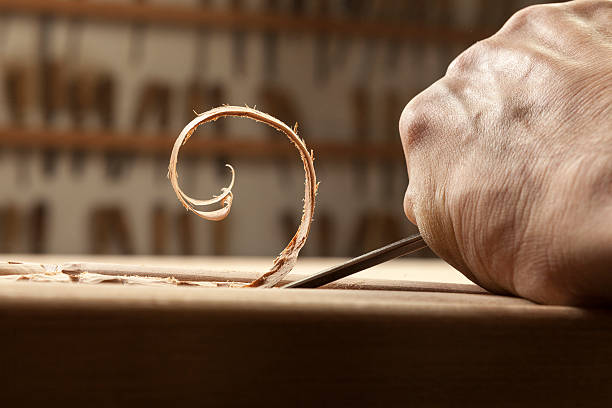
(112, 345)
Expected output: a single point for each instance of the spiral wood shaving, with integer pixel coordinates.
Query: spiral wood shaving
(287, 259)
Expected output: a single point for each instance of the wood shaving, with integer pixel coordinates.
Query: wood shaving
(287, 259)
(97, 278)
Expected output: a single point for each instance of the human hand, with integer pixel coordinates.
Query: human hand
(510, 157)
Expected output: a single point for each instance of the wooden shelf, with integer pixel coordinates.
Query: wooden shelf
(192, 17)
(198, 145)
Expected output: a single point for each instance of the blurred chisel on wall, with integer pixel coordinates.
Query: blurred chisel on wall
(325, 236)
(109, 231)
(10, 229)
(77, 93)
(39, 220)
(368, 60)
(394, 14)
(351, 10)
(493, 14)
(298, 7)
(79, 96)
(277, 100)
(201, 46)
(184, 226)
(373, 229)
(392, 109)
(391, 202)
(51, 87)
(289, 222)
(154, 105)
(238, 41)
(270, 43)
(4, 26)
(98, 232)
(17, 87)
(104, 92)
(217, 98)
(159, 230)
(220, 233)
(220, 229)
(197, 97)
(360, 105)
(136, 51)
(322, 42)
(120, 231)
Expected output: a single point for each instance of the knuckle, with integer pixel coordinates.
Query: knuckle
(415, 121)
(470, 58)
(530, 15)
(462, 63)
(409, 204)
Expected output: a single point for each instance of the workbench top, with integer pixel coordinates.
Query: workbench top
(426, 337)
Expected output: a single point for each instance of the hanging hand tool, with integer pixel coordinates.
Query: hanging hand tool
(77, 104)
(351, 10)
(217, 98)
(368, 57)
(220, 234)
(137, 38)
(220, 229)
(196, 101)
(361, 120)
(392, 111)
(395, 250)
(51, 87)
(38, 228)
(239, 41)
(104, 90)
(367, 233)
(325, 234)
(17, 85)
(275, 99)
(494, 14)
(298, 7)
(79, 93)
(154, 103)
(289, 221)
(390, 136)
(98, 232)
(394, 13)
(270, 44)
(322, 45)
(110, 231)
(120, 231)
(185, 233)
(10, 229)
(159, 223)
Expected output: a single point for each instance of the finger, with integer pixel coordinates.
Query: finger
(409, 206)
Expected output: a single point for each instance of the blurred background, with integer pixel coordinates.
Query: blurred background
(94, 92)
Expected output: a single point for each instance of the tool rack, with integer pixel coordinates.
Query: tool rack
(359, 156)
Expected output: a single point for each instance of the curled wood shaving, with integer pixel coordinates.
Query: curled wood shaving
(287, 259)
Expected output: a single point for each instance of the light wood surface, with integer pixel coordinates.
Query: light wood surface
(112, 345)
(408, 269)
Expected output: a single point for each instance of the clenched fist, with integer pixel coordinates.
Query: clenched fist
(510, 157)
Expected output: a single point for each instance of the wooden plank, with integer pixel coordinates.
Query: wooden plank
(203, 274)
(240, 146)
(110, 345)
(190, 17)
